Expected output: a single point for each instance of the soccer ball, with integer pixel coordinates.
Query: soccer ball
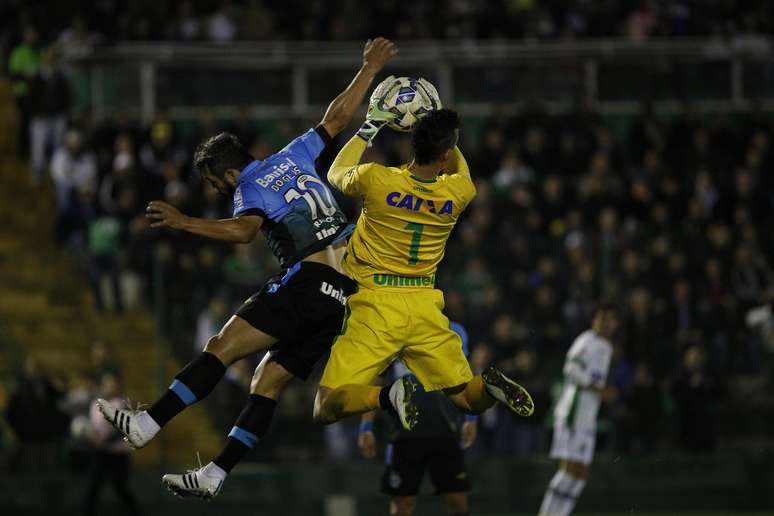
(409, 98)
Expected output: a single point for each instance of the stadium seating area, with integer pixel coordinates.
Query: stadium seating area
(668, 217)
(668, 220)
(223, 21)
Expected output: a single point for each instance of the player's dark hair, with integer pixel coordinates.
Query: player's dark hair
(434, 134)
(220, 153)
(606, 306)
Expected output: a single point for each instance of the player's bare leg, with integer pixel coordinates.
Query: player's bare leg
(268, 382)
(331, 405)
(402, 505)
(564, 489)
(194, 382)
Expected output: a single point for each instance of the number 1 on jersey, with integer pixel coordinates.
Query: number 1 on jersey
(415, 239)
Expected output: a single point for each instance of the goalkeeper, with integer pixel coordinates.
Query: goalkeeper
(408, 213)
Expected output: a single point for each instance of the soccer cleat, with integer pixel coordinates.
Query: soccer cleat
(127, 422)
(193, 483)
(400, 397)
(508, 392)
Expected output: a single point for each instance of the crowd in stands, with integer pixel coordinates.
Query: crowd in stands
(668, 219)
(78, 24)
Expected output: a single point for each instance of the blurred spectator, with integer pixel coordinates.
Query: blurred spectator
(186, 26)
(750, 277)
(23, 65)
(761, 319)
(73, 169)
(103, 249)
(49, 97)
(461, 20)
(209, 322)
(642, 421)
(102, 363)
(642, 21)
(76, 39)
(222, 27)
(696, 392)
(160, 156)
(112, 459)
(34, 416)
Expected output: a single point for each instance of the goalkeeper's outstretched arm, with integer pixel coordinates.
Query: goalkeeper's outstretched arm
(343, 173)
(339, 113)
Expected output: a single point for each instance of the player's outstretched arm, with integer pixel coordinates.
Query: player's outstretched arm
(457, 164)
(375, 55)
(241, 230)
(343, 174)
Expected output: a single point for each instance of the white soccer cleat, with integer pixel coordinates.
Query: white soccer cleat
(400, 397)
(508, 392)
(127, 422)
(194, 483)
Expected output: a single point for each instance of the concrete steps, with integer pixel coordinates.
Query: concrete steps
(47, 308)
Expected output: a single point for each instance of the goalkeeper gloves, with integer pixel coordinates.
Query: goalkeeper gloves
(377, 116)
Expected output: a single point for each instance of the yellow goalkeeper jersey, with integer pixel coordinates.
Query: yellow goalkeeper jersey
(401, 235)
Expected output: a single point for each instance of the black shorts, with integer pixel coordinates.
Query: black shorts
(407, 460)
(304, 309)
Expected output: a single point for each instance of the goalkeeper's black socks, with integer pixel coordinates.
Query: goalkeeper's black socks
(193, 383)
(251, 425)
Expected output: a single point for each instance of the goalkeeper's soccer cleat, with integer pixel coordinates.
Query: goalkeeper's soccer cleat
(400, 397)
(194, 483)
(129, 423)
(508, 392)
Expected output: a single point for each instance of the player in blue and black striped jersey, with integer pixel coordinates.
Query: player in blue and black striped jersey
(435, 444)
(297, 314)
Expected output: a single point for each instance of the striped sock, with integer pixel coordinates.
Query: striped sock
(558, 500)
(193, 383)
(251, 425)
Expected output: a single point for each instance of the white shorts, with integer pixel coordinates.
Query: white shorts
(573, 445)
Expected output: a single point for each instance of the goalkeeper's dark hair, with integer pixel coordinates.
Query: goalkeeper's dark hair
(434, 134)
(220, 153)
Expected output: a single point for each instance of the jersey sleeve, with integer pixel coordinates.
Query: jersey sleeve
(248, 201)
(356, 180)
(309, 145)
(346, 172)
(459, 177)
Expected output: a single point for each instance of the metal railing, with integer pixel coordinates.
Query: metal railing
(280, 79)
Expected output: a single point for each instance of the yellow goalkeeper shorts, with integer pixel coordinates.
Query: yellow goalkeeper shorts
(380, 326)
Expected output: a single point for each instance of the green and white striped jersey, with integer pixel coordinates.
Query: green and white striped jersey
(586, 365)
